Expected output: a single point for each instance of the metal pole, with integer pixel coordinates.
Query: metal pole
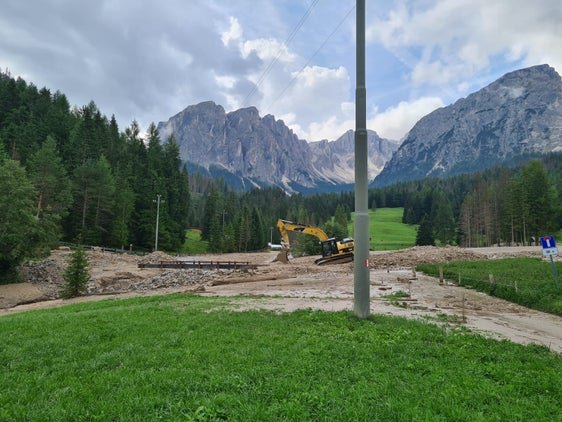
(554, 273)
(361, 230)
(157, 220)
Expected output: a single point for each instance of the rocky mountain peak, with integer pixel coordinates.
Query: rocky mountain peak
(517, 116)
(252, 151)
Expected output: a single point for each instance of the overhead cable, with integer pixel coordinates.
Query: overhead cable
(294, 78)
(276, 59)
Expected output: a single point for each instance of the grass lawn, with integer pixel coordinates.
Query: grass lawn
(526, 281)
(387, 230)
(184, 357)
(193, 244)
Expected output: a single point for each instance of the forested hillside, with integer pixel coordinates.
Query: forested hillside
(499, 206)
(70, 174)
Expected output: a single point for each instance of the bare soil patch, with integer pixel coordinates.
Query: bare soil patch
(301, 284)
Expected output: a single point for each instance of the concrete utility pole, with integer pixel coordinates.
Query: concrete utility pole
(158, 200)
(361, 303)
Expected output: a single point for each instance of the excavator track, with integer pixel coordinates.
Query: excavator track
(335, 259)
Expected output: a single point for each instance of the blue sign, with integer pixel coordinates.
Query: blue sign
(549, 246)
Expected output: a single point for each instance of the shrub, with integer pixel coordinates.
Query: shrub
(76, 275)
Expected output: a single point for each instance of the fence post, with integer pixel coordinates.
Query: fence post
(463, 310)
(554, 273)
(492, 284)
(441, 274)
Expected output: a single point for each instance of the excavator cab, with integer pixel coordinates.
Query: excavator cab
(334, 252)
(329, 247)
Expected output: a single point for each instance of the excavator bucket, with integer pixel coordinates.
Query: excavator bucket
(282, 256)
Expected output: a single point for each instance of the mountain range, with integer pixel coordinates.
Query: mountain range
(248, 151)
(512, 119)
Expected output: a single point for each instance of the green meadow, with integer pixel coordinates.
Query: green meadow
(193, 244)
(526, 281)
(387, 232)
(189, 358)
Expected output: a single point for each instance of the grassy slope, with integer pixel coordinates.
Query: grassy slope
(193, 244)
(387, 230)
(170, 358)
(536, 288)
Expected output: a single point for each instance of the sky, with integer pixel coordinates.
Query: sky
(148, 60)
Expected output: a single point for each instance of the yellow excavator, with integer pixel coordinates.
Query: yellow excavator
(333, 251)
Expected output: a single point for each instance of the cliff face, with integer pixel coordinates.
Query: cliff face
(517, 116)
(265, 152)
(337, 159)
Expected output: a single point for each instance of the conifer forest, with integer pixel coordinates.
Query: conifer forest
(70, 174)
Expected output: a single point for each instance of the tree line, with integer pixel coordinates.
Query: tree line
(247, 221)
(69, 174)
(500, 206)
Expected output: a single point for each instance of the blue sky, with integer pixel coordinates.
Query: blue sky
(148, 60)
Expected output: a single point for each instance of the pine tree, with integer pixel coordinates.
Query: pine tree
(123, 208)
(17, 216)
(442, 218)
(94, 198)
(54, 193)
(76, 275)
(425, 233)
(339, 228)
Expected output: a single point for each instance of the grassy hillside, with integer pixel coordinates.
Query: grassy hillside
(387, 230)
(526, 281)
(193, 244)
(187, 358)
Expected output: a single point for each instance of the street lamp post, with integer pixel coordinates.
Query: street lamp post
(361, 298)
(223, 235)
(158, 200)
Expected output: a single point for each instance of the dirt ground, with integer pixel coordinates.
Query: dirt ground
(301, 284)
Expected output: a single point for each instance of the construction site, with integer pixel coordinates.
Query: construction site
(259, 280)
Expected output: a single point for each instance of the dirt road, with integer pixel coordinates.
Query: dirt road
(301, 284)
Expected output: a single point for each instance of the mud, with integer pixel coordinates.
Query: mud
(300, 284)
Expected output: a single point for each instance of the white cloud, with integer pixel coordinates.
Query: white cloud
(267, 49)
(314, 77)
(392, 123)
(225, 81)
(329, 129)
(318, 96)
(457, 39)
(226, 52)
(435, 73)
(233, 34)
(396, 121)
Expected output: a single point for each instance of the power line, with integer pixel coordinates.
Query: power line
(294, 78)
(276, 59)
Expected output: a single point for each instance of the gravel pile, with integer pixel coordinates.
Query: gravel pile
(156, 257)
(175, 279)
(422, 254)
(46, 275)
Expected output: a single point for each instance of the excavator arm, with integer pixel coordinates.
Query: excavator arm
(332, 250)
(285, 227)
